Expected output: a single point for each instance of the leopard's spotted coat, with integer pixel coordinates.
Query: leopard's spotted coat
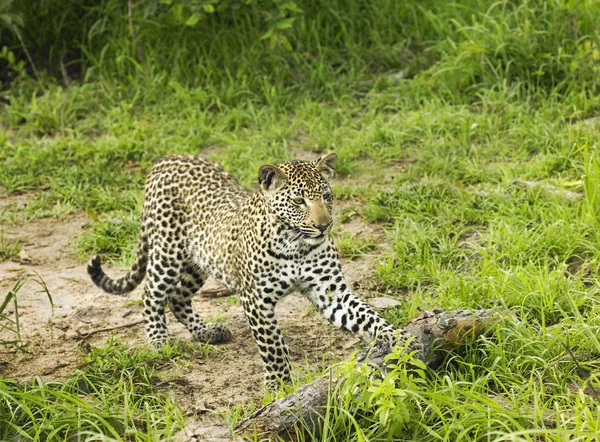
(197, 221)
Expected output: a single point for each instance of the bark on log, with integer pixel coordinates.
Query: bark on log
(435, 329)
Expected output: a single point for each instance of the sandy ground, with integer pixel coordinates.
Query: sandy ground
(232, 373)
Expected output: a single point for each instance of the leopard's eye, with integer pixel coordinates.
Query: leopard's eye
(299, 201)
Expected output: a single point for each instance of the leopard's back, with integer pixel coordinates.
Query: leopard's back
(194, 185)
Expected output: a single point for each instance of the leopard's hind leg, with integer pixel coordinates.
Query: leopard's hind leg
(190, 281)
(159, 285)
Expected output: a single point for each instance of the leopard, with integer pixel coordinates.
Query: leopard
(262, 244)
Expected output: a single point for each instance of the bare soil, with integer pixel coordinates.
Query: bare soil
(230, 375)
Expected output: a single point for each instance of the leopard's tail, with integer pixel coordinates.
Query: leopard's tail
(128, 282)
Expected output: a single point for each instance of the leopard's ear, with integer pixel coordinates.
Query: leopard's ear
(326, 165)
(271, 177)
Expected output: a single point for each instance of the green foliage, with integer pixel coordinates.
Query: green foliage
(388, 401)
(11, 21)
(271, 47)
(9, 17)
(277, 15)
(10, 58)
(513, 385)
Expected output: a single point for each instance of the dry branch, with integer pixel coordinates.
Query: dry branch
(433, 329)
(114, 327)
(217, 292)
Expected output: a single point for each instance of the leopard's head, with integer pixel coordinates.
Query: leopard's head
(300, 196)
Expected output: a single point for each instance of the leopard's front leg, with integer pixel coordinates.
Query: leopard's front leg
(259, 309)
(327, 288)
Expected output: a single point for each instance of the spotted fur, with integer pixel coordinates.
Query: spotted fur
(198, 221)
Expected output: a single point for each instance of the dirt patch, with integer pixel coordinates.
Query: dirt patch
(15, 203)
(231, 374)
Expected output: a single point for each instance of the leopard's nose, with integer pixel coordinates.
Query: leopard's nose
(322, 227)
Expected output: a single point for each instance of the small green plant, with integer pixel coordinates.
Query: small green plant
(389, 397)
(9, 320)
(9, 16)
(10, 58)
(8, 249)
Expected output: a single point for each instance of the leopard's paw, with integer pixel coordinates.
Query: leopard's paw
(274, 382)
(213, 333)
(412, 344)
(399, 338)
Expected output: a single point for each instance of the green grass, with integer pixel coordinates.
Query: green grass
(113, 395)
(352, 246)
(9, 320)
(110, 236)
(491, 93)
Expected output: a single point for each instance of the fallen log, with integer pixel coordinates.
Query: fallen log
(435, 329)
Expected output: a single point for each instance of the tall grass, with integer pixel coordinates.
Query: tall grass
(591, 184)
(10, 322)
(112, 396)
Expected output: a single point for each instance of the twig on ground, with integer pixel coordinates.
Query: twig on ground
(218, 292)
(114, 327)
